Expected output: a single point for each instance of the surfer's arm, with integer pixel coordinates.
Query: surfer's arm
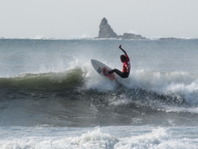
(122, 50)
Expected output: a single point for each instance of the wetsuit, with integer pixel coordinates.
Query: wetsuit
(125, 68)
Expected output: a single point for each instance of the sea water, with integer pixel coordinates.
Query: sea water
(51, 97)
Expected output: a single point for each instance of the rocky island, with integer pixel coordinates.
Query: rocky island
(105, 31)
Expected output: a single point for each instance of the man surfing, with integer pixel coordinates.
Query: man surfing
(125, 67)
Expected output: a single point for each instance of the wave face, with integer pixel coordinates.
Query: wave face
(59, 87)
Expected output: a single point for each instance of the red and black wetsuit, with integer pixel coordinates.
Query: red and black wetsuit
(126, 65)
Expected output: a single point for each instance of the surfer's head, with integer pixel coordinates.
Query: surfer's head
(123, 58)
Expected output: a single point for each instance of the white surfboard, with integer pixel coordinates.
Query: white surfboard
(102, 69)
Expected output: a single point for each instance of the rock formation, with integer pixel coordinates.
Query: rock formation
(105, 31)
(131, 36)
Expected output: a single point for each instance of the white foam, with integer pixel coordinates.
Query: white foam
(125, 137)
(178, 83)
(95, 139)
(150, 140)
(182, 109)
(189, 91)
(89, 140)
(159, 138)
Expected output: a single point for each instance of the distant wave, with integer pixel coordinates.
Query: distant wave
(51, 38)
(68, 38)
(85, 37)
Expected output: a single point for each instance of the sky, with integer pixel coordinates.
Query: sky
(81, 18)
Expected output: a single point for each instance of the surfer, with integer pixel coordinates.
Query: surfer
(126, 65)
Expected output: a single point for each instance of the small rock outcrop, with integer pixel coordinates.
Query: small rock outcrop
(131, 36)
(105, 31)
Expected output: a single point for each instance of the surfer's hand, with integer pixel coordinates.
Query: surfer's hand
(122, 49)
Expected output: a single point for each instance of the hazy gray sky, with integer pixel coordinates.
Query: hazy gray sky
(75, 18)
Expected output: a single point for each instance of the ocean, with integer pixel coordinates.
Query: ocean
(52, 98)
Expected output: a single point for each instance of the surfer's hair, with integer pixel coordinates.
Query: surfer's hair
(123, 58)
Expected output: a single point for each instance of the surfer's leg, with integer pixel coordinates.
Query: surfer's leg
(118, 72)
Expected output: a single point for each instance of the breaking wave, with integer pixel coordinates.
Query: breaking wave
(174, 87)
(79, 98)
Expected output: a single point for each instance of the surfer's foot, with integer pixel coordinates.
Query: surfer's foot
(105, 72)
(108, 72)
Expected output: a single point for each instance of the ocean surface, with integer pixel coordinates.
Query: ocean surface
(52, 98)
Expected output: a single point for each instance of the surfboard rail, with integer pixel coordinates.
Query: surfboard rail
(103, 69)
